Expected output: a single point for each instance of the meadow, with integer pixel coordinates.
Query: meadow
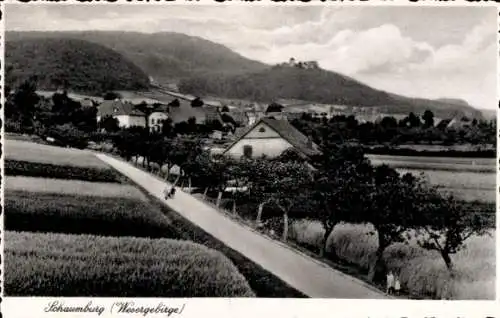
(423, 273)
(75, 265)
(468, 179)
(16, 150)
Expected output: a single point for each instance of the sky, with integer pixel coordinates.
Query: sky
(428, 52)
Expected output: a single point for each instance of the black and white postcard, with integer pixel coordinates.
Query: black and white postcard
(160, 155)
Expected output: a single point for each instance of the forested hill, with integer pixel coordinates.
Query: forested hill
(80, 65)
(320, 86)
(167, 56)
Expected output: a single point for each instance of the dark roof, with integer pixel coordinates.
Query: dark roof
(298, 140)
(116, 108)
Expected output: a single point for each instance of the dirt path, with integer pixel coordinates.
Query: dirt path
(306, 274)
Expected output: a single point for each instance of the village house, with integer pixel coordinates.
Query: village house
(157, 118)
(270, 137)
(125, 112)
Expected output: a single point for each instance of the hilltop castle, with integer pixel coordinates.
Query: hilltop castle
(301, 64)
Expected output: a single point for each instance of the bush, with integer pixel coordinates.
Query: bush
(69, 135)
(77, 214)
(81, 265)
(47, 170)
(423, 273)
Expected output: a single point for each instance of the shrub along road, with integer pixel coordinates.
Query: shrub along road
(300, 271)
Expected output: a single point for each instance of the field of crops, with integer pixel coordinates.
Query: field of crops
(468, 179)
(73, 187)
(17, 150)
(49, 212)
(422, 272)
(50, 199)
(47, 170)
(81, 265)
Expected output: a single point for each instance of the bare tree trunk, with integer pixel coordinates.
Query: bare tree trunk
(447, 260)
(219, 198)
(167, 175)
(285, 226)
(205, 193)
(259, 213)
(234, 207)
(189, 184)
(322, 251)
(376, 263)
(176, 181)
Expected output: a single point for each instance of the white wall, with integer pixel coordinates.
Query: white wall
(155, 120)
(271, 147)
(129, 121)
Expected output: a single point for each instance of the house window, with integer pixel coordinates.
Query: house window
(262, 129)
(247, 151)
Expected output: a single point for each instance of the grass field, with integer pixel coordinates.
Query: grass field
(423, 273)
(47, 170)
(28, 151)
(436, 163)
(468, 179)
(113, 191)
(82, 265)
(63, 213)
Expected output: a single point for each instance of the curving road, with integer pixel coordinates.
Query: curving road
(304, 273)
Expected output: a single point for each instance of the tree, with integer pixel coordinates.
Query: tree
(24, 101)
(428, 118)
(413, 120)
(166, 128)
(390, 206)
(109, 123)
(274, 108)
(111, 95)
(197, 102)
(174, 103)
(225, 109)
(282, 184)
(339, 187)
(445, 225)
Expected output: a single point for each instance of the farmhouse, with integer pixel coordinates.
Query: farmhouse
(270, 137)
(125, 112)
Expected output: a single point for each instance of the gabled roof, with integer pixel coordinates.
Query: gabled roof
(117, 108)
(297, 139)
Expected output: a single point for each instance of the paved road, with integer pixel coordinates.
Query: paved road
(310, 276)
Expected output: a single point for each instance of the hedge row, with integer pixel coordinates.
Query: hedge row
(81, 265)
(47, 170)
(47, 212)
(430, 153)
